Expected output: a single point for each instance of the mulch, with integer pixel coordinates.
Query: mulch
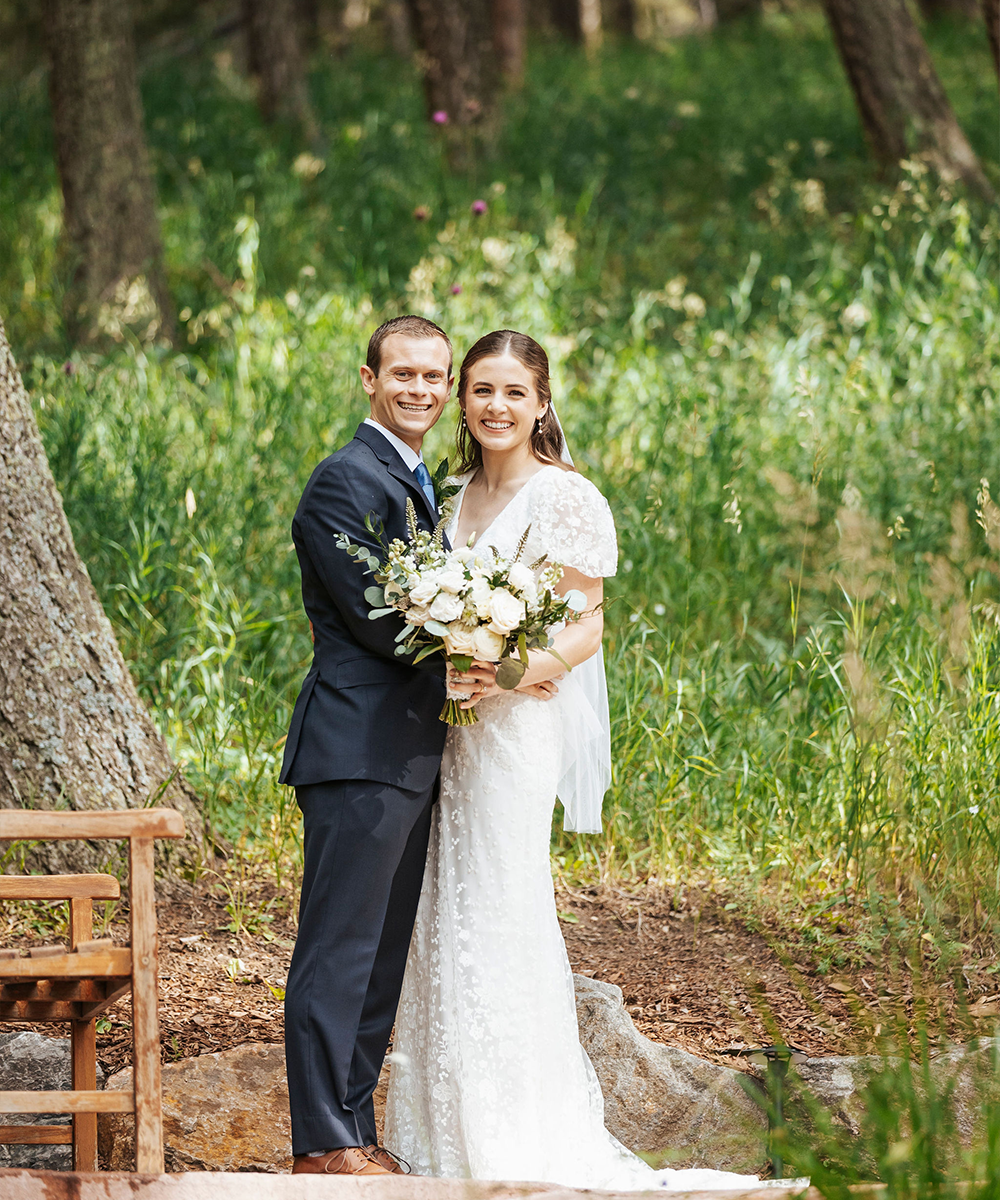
(693, 973)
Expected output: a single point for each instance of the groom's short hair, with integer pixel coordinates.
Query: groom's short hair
(412, 327)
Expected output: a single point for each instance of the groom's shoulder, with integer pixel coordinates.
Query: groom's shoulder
(352, 459)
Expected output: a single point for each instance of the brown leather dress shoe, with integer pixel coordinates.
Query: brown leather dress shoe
(392, 1163)
(350, 1160)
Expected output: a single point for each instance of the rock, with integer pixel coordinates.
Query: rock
(663, 1101)
(30, 1062)
(837, 1083)
(221, 1112)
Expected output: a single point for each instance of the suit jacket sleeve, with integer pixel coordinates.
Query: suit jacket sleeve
(339, 501)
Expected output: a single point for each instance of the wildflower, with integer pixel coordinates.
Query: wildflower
(660, 609)
(974, 809)
(633, 618)
(479, 207)
(456, 289)
(440, 117)
(69, 368)
(421, 212)
(190, 503)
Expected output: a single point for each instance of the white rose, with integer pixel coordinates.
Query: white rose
(481, 594)
(452, 581)
(489, 646)
(463, 554)
(506, 611)
(418, 614)
(521, 578)
(447, 608)
(425, 591)
(460, 640)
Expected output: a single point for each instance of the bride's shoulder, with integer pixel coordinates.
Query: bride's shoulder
(558, 483)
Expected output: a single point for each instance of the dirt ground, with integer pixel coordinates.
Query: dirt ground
(693, 975)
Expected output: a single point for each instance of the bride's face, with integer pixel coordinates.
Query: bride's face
(501, 403)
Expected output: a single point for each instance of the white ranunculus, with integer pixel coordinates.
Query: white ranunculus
(452, 581)
(506, 611)
(489, 645)
(426, 590)
(447, 608)
(521, 578)
(418, 614)
(460, 640)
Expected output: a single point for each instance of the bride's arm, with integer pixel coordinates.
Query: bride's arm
(576, 643)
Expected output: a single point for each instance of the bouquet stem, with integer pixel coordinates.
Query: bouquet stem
(451, 714)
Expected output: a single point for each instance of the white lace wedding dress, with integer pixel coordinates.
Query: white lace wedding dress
(489, 1080)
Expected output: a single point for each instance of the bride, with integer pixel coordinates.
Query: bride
(489, 1080)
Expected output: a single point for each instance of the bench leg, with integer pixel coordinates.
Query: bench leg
(83, 1046)
(84, 1050)
(145, 1018)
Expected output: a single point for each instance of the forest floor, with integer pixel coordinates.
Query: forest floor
(694, 974)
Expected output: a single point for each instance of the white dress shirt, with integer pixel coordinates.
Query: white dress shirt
(406, 453)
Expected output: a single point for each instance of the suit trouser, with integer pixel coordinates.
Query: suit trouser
(365, 847)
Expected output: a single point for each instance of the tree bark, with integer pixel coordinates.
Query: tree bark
(110, 223)
(591, 24)
(565, 18)
(991, 14)
(455, 43)
(949, 8)
(276, 61)
(73, 731)
(508, 39)
(729, 9)
(902, 104)
(622, 17)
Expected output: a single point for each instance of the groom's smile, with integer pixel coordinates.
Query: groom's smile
(411, 387)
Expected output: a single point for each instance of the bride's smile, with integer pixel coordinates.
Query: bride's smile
(502, 405)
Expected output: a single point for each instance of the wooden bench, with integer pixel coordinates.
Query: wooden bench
(77, 983)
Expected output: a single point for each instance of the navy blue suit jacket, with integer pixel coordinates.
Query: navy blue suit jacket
(363, 712)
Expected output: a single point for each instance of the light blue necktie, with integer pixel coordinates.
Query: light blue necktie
(426, 486)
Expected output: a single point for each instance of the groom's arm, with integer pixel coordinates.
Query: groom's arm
(339, 501)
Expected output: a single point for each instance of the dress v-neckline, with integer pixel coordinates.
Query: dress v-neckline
(461, 501)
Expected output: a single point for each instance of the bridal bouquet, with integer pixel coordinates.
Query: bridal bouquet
(469, 604)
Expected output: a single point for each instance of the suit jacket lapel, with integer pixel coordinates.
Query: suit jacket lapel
(387, 454)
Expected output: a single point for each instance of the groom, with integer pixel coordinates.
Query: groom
(363, 754)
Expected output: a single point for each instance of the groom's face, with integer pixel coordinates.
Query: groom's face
(412, 385)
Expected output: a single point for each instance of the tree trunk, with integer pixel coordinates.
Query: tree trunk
(991, 14)
(111, 229)
(73, 731)
(729, 9)
(396, 20)
(902, 104)
(565, 18)
(622, 17)
(455, 40)
(508, 39)
(590, 23)
(933, 9)
(276, 61)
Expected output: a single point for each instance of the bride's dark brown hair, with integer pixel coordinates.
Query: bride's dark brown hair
(546, 438)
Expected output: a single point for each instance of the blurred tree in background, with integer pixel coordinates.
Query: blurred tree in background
(111, 228)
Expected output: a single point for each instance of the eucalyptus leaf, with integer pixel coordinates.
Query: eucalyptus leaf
(379, 612)
(510, 672)
(437, 628)
(375, 596)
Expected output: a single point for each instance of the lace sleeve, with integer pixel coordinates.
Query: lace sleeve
(573, 525)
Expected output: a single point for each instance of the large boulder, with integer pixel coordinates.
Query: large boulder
(221, 1112)
(30, 1062)
(663, 1101)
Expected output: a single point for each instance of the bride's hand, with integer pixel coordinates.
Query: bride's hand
(477, 682)
(541, 691)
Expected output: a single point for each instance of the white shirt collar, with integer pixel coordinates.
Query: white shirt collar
(406, 453)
